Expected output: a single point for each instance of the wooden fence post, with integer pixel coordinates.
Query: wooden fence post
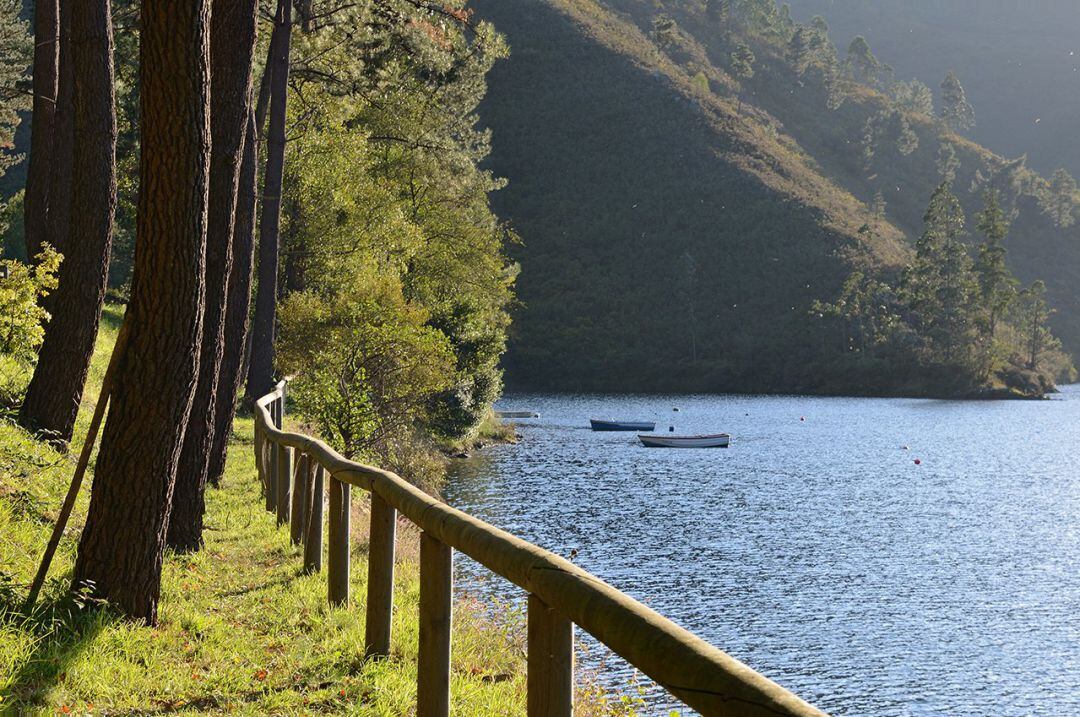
(270, 456)
(436, 617)
(550, 662)
(338, 549)
(299, 498)
(284, 484)
(380, 595)
(313, 542)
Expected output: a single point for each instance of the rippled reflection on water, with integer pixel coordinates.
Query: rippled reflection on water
(816, 550)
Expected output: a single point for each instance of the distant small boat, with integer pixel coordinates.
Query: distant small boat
(599, 425)
(719, 440)
(517, 414)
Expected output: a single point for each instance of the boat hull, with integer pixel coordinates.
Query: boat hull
(598, 425)
(720, 440)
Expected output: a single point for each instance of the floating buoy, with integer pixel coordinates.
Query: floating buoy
(802, 418)
(918, 461)
(676, 409)
(903, 448)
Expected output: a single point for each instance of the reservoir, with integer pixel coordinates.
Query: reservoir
(876, 556)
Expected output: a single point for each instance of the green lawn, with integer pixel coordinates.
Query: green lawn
(241, 629)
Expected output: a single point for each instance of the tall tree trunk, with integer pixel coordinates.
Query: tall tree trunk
(46, 54)
(261, 367)
(236, 313)
(63, 138)
(53, 396)
(239, 302)
(122, 545)
(232, 46)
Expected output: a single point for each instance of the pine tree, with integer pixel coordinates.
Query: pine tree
(1058, 200)
(878, 205)
(947, 162)
(742, 61)
(940, 284)
(664, 31)
(997, 287)
(1034, 312)
(798, 50)
(861, 62)
(956, 111)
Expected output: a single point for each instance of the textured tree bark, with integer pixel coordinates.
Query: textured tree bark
(63, 137)
(261, 366)
(52, 398)
(239, 300)
(121, 549)
(232, 45)
(46, 54)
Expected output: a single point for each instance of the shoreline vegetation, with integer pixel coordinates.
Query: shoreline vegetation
(241, 629)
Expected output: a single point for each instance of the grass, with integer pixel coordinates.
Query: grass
(241, 629)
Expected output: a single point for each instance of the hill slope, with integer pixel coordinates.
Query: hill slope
(670, 243)
(679, 224)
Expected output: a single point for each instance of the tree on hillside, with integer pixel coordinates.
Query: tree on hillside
(1058, 199)
(52, 398)
(261, 364)
(939, 284)
(742, 61)
(232, 44)
(718, 12)
(913, 96)
(956, 111)
(948, 164)
(122, 545)
(46, 55)
(861, 62)
(798, 50)
(997, 287)
(664, 31)
(1033, 313)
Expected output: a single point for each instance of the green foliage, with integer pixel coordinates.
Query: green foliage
(956, 111)
(1058, 199)
(913, 96)
(742, 61)
(961, 321)
(366, 365)
(22, 318)
(398, 288)
(242, 630)
(860, 62)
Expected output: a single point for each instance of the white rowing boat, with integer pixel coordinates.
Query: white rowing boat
(719, 440)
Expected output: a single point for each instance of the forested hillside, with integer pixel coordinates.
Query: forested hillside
(693, 182)
(1019, 61)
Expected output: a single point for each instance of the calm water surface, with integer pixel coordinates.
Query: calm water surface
(815, 549)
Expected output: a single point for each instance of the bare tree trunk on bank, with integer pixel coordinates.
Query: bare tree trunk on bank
(53, 396)
(232, 47)
(122, 545)
(63, 137)
(261, 367)
(46, 55)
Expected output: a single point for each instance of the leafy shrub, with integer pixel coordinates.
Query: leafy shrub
(366, 365)
(22, 317)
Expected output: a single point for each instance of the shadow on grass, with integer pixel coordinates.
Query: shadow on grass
(59, 627)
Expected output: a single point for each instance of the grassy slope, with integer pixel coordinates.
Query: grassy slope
(241, 629)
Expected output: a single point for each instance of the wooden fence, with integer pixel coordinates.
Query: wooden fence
(296, 470)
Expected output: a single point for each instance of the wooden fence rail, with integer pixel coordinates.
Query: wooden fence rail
(296, 469)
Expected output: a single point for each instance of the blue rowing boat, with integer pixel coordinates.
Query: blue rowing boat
(600, 425)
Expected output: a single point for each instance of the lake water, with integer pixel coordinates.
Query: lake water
(815, 549)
